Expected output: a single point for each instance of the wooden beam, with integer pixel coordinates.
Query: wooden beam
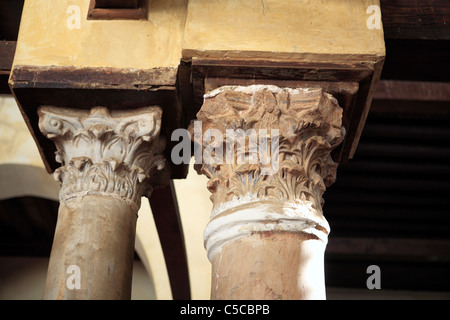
(412, 90)
(93, 77)
(7, 50)
(116, 4)
(416, 19)
(396, 249)
(165, 210)
(411, 99)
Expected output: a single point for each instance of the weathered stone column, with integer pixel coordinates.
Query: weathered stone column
(108, 159)
(267, 234)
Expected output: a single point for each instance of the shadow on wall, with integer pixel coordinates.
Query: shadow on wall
(18, 180)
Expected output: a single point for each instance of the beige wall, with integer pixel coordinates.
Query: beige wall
(21, 168)
(195, 208)
(16, 144)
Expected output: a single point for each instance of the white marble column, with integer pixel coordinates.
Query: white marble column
(107, 161)
(267, 234)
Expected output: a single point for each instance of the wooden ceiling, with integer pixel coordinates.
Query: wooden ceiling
(390, 205)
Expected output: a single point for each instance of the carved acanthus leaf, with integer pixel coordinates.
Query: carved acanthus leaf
(104, 152)
(309, 124)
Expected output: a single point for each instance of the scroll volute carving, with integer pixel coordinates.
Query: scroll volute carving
(104, 152)
(309, 126)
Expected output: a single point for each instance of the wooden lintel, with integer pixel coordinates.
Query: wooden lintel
(99, 78)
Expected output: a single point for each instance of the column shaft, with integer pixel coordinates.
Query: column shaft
(96, 234)
(269, 266)
(267, 249)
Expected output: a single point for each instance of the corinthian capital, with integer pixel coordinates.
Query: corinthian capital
(102, 152)
(308, 126)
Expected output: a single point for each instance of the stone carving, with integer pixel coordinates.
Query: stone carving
(103, 152)
(309, 123)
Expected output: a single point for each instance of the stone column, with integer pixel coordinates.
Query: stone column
(267, 234)
(108, 160)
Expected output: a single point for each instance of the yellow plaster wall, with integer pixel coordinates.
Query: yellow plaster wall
(274, 29)
(288, 29)
(16, 144)
(46, 40)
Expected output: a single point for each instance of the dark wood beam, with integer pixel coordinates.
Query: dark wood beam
(412, 99)
(165, 210)
(416, 19)
(116, 4)
(7, 51)
(412, 90)
(395, 249)
(93, 78)
(117, 10)
(410, 109)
